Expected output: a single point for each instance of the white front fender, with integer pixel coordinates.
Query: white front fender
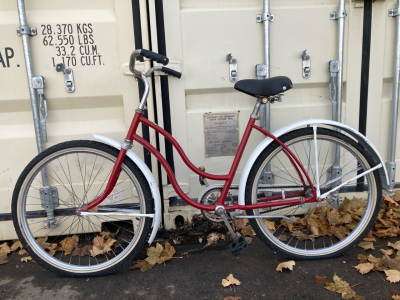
(281, 131)
(149, 176)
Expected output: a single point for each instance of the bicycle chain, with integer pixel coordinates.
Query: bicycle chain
(274, 187)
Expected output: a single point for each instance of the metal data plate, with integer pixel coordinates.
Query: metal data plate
(221, 134)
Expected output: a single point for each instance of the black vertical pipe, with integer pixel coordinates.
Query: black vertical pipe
(137, 29)
(162, 49)
(366, 53)
(365, 60)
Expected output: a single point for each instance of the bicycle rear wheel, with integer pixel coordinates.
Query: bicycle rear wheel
(324, 229)
(75, 245)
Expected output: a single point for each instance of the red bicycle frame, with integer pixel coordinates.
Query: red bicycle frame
(264, 202)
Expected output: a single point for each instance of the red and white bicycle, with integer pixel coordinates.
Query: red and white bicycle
(83, 195)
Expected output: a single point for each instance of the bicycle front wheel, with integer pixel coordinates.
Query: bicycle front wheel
(324, 229)
(70, 175)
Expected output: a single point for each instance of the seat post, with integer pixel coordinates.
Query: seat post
(256, 110)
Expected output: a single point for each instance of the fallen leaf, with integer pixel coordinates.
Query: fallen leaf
(394, 293)
(177, 240)
(373, 259)
(26, 258)
(79, 251)
(342, 287)
(68, 244)
(232, 298)
(395, 245)
(239, 223)
(101, 246)
(22, 252)
(166, 253)
(393, 276)
(396, 297)
(17, 244)
(212, 238)
(4, 248)
(288, 265)
(364, 268)
(388, 252)
(369, 240)
(366, 245)
(390, 200)
(143, 265)
(283, 238)
(43, 242)
(230, 280)
(154, 253)
(270, 226)
(94, 209)
(393, 264)
(247, 230)
(248, 239)
(359, 297)
(320, 280)
(3, 259)
(397, 195)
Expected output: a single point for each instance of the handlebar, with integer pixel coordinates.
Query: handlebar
(153, 56)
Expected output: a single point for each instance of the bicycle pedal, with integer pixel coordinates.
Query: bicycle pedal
(238, 245)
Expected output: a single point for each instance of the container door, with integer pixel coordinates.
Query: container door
(95, 39)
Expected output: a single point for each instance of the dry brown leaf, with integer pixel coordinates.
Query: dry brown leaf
(4, 248)
(392, 276)
(390, 200)
(68, 244)
(359, 297)
(177, 240)
(230, 280)
(154, 253)
(288, 265)
(283, 238)
(388, 252)
(100, 245)
(16, 245)
(239, 223)
(396, 297)
(395, 245)
(369, 239)
(94, 209)
(143, 265)
(373, 259)
(333, 216)
(79, 251)
(366, 245)
(22, 252)
(362, 258)
(26, 258)
(3, 259)
(342, 287)
(393, 264)
(212, 238)
(319, 280)
(394, 293)
(364, 268)
(232, 298)
(43, 242)
(166, 253)
(247, 230)
(248, 239)
(397, 195)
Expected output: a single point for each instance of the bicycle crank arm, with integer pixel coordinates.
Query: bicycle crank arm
(265, 217)
(120, 214)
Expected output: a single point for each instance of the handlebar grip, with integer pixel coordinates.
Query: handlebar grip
(171, 72)
(155, 56)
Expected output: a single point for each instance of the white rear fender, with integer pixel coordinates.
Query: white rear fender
(149, 176)
(281, 131)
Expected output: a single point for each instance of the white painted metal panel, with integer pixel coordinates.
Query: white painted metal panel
(95, 39)
(202, 33)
